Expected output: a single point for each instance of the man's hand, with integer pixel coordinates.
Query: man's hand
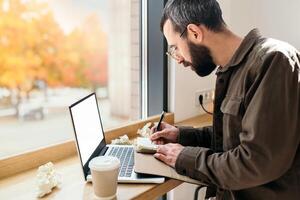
(168, 153)
(167, 134)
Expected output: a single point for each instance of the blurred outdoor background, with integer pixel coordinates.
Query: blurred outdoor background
(52, 53)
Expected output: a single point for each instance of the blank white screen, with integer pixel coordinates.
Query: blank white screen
(87, 126)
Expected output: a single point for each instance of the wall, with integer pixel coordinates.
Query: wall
(274, 18)
(135, 108)
(119, 58)
(124, 66)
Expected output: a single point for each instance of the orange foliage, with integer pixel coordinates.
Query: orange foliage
(33, 46)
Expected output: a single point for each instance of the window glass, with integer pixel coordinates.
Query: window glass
(54, 52)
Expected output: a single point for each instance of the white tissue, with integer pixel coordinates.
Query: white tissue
(144, 145)
(145, 131)
(47, 179)
(123, 140)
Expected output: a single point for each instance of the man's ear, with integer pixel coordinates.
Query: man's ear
(195, 33)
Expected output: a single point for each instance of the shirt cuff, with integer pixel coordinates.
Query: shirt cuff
(184, 136)
(185, 162)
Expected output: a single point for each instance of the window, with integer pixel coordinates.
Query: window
(54, 52)
(156, 60)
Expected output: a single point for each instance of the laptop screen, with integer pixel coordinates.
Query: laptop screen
(87, 126)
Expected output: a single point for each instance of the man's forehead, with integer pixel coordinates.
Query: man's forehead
(169, 32)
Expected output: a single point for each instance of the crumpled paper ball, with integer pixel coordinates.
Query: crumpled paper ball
(47, 179)
(123, 140)
(145, 131)
(145, 145)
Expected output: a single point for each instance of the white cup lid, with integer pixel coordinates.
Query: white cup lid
(104, 163)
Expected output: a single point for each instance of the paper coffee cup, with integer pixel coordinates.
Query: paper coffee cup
(105, 170)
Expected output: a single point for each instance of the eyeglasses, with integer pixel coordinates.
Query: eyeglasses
(172, 50)
(182, 32)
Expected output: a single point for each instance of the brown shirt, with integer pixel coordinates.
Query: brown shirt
(252, 150)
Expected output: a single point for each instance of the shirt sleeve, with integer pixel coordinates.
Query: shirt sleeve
(270, 133)
(189, 136)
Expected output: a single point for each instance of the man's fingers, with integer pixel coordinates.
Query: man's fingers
(159, 142)
(154, 128)
(162, 124)
(161, 157)
(158, 135)
(162, 149)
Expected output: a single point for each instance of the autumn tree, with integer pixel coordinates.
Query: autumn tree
(34, 47)
(19, 63)
(95, 52)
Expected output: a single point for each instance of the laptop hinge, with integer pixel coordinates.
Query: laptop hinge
(103, 151)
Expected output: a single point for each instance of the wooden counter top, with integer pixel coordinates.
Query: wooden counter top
(22, 186)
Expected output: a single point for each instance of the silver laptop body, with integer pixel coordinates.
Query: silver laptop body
(90, 142)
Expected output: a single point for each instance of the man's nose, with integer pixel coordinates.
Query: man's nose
(180, 60)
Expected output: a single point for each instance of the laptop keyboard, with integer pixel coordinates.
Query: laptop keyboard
(125, 154)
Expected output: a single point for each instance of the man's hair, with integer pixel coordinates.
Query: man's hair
(181, 13)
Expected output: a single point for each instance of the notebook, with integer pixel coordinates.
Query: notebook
(147, 163)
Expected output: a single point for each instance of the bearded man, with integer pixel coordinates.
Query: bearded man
(252, 149)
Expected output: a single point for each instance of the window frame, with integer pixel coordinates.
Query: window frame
(154, 61)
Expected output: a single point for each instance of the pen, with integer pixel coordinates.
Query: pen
(160, 120)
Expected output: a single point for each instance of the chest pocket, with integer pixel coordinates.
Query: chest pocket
(231, 105)
(231, 108)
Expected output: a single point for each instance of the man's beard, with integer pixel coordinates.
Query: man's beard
(201, 59)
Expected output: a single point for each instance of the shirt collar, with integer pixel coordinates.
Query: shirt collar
(242, 51)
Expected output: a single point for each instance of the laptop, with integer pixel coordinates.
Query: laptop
(90, 142)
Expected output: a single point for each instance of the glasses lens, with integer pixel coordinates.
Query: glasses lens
(173, 55)
(171, 51)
